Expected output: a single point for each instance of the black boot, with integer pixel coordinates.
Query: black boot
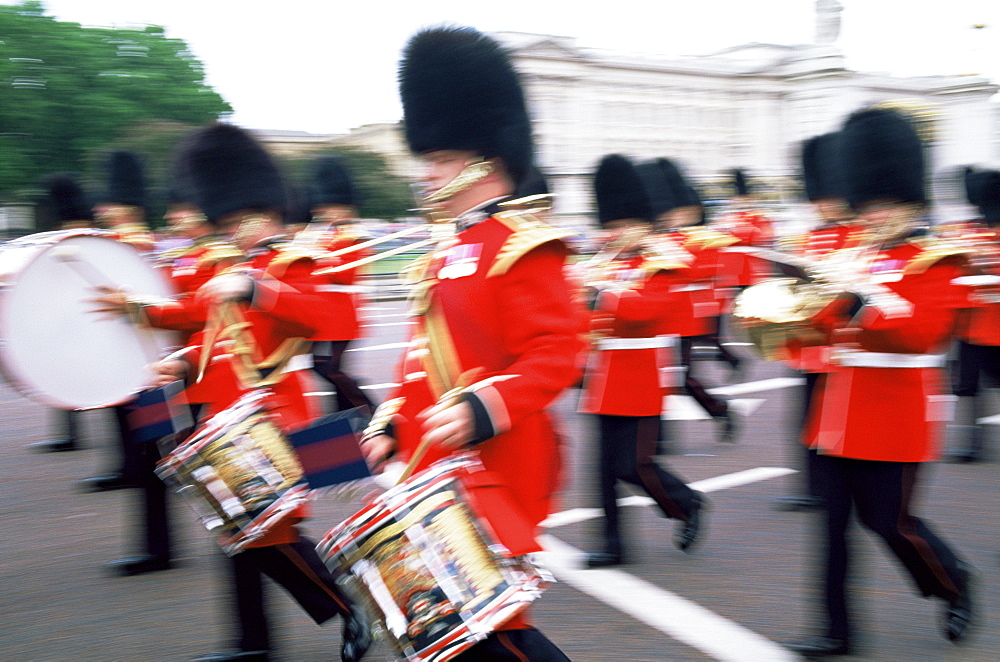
(687, 533)
(357, 635)
(959, 614)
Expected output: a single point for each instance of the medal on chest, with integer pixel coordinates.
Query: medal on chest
(460, 260)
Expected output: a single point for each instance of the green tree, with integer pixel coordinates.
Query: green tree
(383, 195)
(66, 91)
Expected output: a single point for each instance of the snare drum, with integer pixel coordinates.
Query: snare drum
(239, 473)
(429, 569)
(53, 349)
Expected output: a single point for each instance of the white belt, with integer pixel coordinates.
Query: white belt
(853, 358)
(635, 343)
(691, 287)
(350, 289)
(741, 249)
(299, 362)
(979, 280)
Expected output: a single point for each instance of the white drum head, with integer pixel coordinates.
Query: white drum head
(54, 350)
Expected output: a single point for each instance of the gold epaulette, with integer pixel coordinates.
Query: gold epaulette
(934, 250)
(654, 263)
(704, 237)
(287, 254)
(529, 233)
(793, 243)
(219, 251)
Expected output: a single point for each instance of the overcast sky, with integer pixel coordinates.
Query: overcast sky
(325, 66)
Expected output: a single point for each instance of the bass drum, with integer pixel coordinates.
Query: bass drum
(53, 348)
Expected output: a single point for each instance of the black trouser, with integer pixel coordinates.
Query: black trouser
(68, 425)
(881, 492)
(628, 444)
(714, 406)
(327, 357)
(298, 568)
(515, 646)
(975, 361)
(131, 461)
(807, 454)
(715, 338)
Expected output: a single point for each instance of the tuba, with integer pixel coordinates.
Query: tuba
(777, 312)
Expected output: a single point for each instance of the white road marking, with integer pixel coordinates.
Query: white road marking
(714, 484)
(685, 408)
(758, 386)
(675, 616)
(990, 420)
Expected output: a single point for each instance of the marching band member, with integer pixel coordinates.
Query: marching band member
(824, 188)
(66, 204)
(753, 229)
(681, 220)
(239, 189)
(875, 416)
(121, 208)
(633, 299)
(979, 332)
(188, 268)
(334, 202)
(495, 337)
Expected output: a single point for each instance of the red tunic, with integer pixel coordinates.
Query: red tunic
(699, 303)
(341, 291)
(494, 313)
(980, 323)
(285, 305)
(883, 398)
(627, 371)
(752, 229)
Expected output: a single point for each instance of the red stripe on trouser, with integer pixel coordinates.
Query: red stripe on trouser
(509, 645)
(645, 445)
(909, 474)
(300, 563)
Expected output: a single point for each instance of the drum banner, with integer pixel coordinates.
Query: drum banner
(430, 570)
(158, 413)
(238, 472)
(329, 449)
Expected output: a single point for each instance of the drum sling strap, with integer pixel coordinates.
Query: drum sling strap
(226, 321)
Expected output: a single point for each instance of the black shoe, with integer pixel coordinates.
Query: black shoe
(958, 615)
(729, 426)
(687, 532)
(820, 647)
(604, 559)
(55, 446)
(802, 504)
(966, 457)
(138, 565)
(357, 635)
(234, 656)
(105, 483)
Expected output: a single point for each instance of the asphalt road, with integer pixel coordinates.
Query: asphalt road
(749, 584)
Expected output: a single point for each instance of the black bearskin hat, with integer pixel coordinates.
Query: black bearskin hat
(461, 92)
(821, 170)
(333, 184)
(741, 186)
(655, 176)
(619, 191)
(230, 171)
(882, 158)
(299, 207)
(66, 198)
(533, 184)
(126, 184)
(982, 188)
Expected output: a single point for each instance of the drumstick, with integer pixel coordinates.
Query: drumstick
(451, 397)
(70, 256)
